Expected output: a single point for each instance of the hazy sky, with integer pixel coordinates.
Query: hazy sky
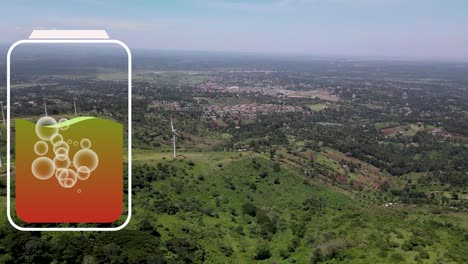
(430, 29)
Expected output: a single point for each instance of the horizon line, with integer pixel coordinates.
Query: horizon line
(305, 55)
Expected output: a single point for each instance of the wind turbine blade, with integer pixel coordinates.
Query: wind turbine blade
(172, 127)
(175, 132)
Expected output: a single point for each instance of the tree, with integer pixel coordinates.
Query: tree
(186, 250)
(147, 226)
(37, 251)
(71, 248)
(128, 246)
(263, 252)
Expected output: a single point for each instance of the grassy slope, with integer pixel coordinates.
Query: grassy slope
(374, 234)
(361, 233)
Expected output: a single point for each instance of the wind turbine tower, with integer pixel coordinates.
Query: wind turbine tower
(45, 105)
(74, 105)
(3, 115)
(174, 134)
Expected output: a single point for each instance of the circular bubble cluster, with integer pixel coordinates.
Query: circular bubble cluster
(85, 160)
(67, 178)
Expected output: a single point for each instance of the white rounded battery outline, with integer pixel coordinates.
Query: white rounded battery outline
(71, 37)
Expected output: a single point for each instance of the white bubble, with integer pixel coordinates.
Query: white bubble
(68, 183)
(56, 139)
(41, 148)
(75, 143)
(70, 141)
(83, 173)
(43, 129)
(61, 151)
(67, 178)
(61, 174)
(64, 127)
(87, 158)
(59, 145)
(85, 143)
(43, 168)
(62, 161)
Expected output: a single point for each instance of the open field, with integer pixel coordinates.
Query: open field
(405, 130)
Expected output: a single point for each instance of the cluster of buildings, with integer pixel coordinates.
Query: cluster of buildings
(248, 110)
(165, 105)
(279, 91)
(440, 132)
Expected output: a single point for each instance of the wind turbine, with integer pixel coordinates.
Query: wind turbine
(3, 115)
(74, 104)
(174, 133)
(405, 95)
(45, 105)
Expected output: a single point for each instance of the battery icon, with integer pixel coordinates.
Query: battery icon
(68, 157)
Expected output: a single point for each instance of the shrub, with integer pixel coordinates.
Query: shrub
(284, 253)
(226, 250)
(294, 244)
(397, 257)
(249, 209)
(329, 250)
(239, 230)
(186, 250)
(407, 246)
(263, 252)
(267, 226)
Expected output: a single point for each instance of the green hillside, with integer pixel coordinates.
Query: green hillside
(249, 209)
(221, 207)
